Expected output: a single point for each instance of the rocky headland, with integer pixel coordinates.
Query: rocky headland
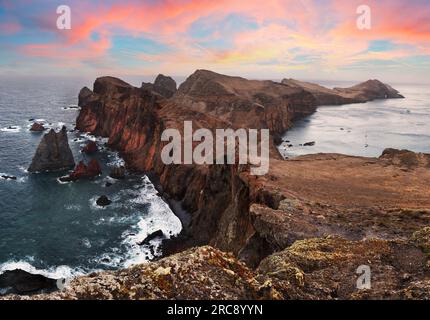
(299, 232)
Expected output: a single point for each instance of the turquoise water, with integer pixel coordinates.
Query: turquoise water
(366, 129)
(56, 229)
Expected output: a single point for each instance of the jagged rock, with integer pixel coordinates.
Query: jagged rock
(103, 201)
(309, 144)
(22, 282)
(83, 171)
(152, 236)
(117, 173)
(84, 95)
(90, 148)
(165, 86)
(37, 127)
(53, 153)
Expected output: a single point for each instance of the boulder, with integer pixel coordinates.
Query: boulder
(53, 153)
(117, 173)
(90, 148)
(37, 127)
(103, 201)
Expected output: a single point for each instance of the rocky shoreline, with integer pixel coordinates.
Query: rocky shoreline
(300, 232)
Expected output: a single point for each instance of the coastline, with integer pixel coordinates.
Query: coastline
(264, 219)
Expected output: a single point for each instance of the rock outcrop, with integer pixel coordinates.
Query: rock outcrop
(164, 86)
(53, 153)
(37, 127)
(83, 171)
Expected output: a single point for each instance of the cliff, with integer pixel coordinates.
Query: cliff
(269, 221)
(219, 197)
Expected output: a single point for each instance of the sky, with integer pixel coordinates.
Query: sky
(270, 39)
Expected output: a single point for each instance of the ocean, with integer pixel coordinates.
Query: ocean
(56, 229)
(365, 129)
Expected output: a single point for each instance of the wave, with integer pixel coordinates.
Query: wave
(60, 272)
(158, 217)
(11, 129)
(17, 179)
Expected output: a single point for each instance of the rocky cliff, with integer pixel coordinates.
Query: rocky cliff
(53, 153)
(337, 200)
(219, 198)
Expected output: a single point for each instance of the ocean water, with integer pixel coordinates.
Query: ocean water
(54, 228)
(365, 129)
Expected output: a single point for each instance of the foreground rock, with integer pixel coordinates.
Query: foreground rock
(37, 127)
(22, 282)
(201, 273)
(53, 153)
(327, 269)
(321, 268)
(83, 171)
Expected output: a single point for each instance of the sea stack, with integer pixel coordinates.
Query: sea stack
(53, 153)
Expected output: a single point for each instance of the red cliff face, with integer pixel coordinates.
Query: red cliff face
(83, 171)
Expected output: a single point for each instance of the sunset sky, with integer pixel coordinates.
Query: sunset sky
(273, 39)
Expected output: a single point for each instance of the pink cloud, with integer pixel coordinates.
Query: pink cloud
(9, 28)
(328, 32)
